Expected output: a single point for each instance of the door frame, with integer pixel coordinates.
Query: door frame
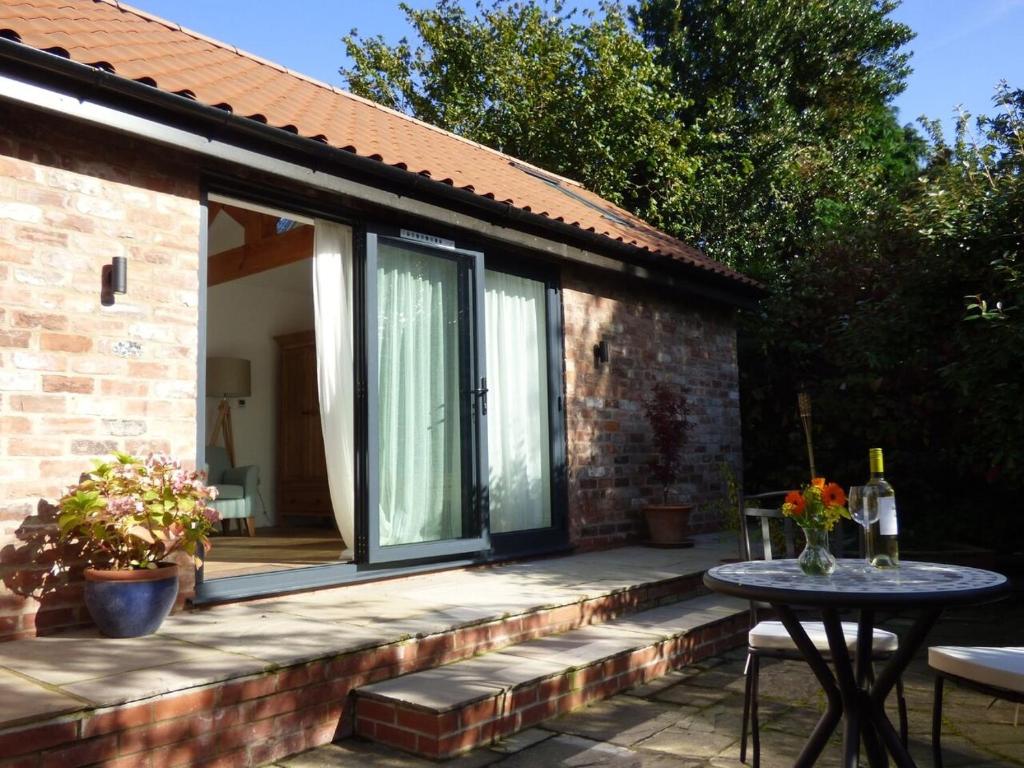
(473, 424)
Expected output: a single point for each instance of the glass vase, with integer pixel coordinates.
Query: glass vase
(816, 560)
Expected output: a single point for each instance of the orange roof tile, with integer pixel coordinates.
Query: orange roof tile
(139, 46)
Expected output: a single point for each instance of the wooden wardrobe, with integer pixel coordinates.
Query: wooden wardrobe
(303, 496)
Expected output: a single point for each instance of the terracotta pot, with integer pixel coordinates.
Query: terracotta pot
(668, 525)
(130, 603)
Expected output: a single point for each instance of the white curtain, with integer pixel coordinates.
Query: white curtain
(419, 422)
(518, 448)
(332, 302)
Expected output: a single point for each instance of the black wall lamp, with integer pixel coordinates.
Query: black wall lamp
(115, 279)
(601, 353)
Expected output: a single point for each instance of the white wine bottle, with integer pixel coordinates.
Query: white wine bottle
(885, 530)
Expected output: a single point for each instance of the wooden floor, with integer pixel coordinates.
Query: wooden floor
(273, 549)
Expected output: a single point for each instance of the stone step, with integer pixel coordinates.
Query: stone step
(441, 712)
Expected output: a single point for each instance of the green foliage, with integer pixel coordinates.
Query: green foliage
(130, 513)
(788, 102)
(581, 96)
(763, 133)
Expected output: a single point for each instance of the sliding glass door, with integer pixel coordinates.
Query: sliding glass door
(427, 400)
(524, 438)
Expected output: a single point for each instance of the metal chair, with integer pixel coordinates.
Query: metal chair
(997, 672)
(769, 639)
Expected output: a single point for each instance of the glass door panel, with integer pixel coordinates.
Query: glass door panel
(518, 436)
(426, 422)
(418, 321)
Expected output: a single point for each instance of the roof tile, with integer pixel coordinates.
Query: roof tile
(139, 46)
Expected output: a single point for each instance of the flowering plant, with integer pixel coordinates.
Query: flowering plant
(131, 513)
(817, 506)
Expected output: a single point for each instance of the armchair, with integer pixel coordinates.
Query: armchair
(236, 488)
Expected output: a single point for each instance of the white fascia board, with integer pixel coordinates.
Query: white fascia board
(50, 100)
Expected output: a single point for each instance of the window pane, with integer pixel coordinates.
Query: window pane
(418, 359)
(518, 443)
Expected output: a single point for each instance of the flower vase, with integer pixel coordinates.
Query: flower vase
(816, 560)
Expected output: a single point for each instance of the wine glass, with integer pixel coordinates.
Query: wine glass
(863, 506)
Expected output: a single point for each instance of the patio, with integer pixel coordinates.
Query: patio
(691, 718)
(254, 682)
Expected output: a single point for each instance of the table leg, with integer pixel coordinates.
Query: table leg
(885, 681)
(865, 649)
(849, 691)
(834, 711)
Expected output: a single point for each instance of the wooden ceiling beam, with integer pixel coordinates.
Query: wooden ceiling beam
(261, 255)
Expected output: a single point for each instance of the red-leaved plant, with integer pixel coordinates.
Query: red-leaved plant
(666, 409)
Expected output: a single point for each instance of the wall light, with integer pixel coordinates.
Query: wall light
(601, 353)
(115, 279)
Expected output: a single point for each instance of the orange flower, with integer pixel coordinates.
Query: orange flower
(833, 495)
(818, 482)
(796, 500)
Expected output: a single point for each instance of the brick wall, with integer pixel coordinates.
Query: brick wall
(653, 336)
(79, 379)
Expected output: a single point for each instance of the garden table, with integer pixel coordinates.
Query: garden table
(926, 589)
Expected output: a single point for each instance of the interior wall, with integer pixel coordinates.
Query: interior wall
(243, 317)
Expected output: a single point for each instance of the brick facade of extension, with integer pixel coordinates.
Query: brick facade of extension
(652, 338)
(79, 379)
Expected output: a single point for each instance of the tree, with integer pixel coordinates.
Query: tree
(579, 95)
(789, 101)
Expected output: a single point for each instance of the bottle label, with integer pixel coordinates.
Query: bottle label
(887, 516)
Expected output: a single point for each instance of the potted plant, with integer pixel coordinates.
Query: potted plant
(666, 409)
(128, 515)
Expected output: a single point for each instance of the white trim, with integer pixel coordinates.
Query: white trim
(54, 101)
(274, 212)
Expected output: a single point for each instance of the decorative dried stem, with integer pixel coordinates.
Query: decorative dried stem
(803, 401)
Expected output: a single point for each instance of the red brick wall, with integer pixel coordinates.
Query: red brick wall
(78, 379)
(653, 336)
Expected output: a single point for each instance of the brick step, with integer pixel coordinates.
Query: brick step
(262, 683)
(441, 712)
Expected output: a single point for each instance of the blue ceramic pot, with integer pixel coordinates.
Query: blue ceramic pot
(131, 603)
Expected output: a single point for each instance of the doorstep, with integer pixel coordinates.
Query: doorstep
(442, 712)
(230, 678)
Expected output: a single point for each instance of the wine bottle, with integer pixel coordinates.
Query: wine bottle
(885, 530)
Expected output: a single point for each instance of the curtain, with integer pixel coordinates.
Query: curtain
(518, 448)
(332, 302)
(419, 429)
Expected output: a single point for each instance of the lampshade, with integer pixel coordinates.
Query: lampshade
(228, 377)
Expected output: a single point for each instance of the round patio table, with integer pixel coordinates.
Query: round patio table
(924, 588)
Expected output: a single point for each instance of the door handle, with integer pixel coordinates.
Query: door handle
(481, 393)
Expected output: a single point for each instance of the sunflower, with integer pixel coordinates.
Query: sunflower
(833, 495)
(795, 500)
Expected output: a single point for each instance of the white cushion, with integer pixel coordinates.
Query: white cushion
(998, 667)
(772, 635)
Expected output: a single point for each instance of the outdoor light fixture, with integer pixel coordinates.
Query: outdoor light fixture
(115, 279)
(601, 353)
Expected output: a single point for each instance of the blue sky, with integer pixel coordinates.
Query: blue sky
(963, 47)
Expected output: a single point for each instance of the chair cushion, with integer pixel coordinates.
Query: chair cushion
(225, 492)
(998, 667)
(773, 636)
(233, 509)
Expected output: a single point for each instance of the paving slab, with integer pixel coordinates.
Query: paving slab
(65, 659)
(22, 700)
(209, 666)
(574, 752)
(621, 720)
(517, 742)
